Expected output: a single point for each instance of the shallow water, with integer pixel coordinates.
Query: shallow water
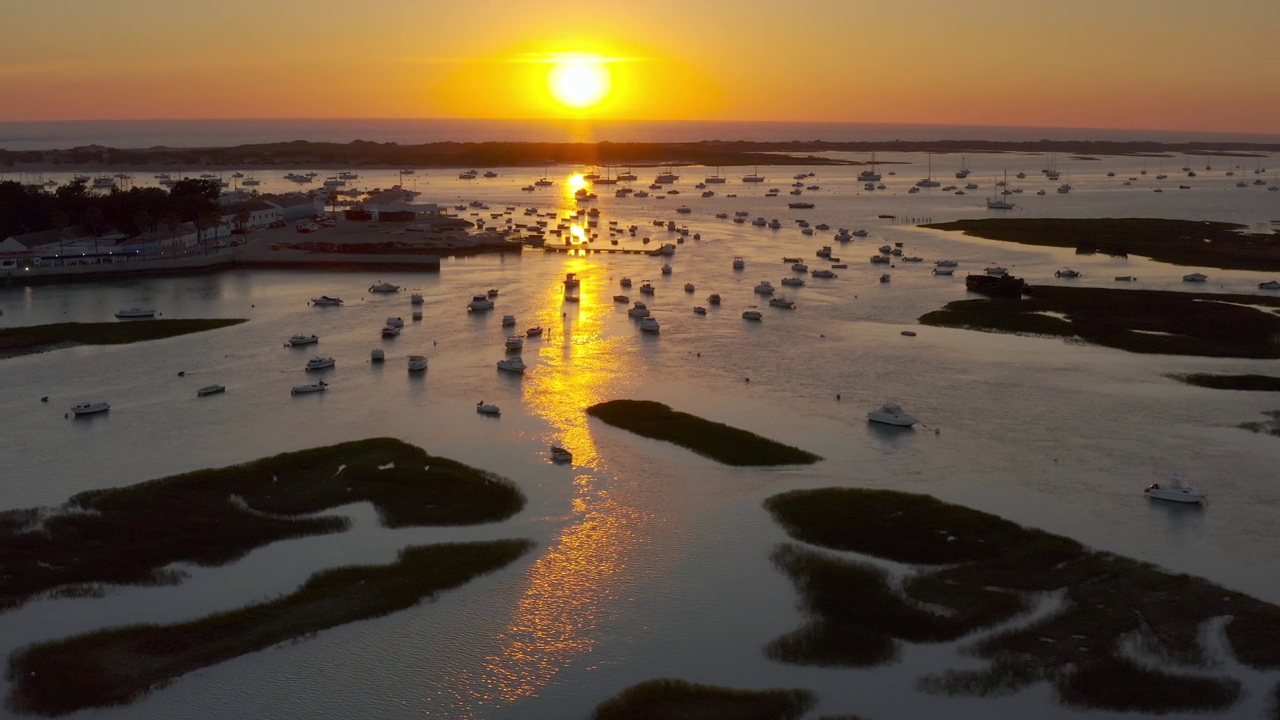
(651, 561)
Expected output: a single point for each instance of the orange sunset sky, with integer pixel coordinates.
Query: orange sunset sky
(1152, 64)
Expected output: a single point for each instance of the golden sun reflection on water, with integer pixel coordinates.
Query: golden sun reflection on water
(555, 619)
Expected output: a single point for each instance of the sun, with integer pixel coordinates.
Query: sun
(578, 81)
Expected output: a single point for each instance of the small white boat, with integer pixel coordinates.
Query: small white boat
(303, 339)
(514, 342)
(559, 454)
(943, 270)
(211, 390)
(416, 298)
(996, 271)
(793, 281)
(136, 313)
(377, 355)
(699, 310)
(1269, 285)
(782, 302)
(417, 363)
(646, 288)
(751, 315)
(390, 331)
(384, 288)
(1067, 273)
(649, 325)
(714, 298)
(89, 408)
(764, 288)
(1176, 490)
(480, 302)
(689, 287)
(314, 387)
(800, 267)
(512, 365)
(638, 310)
(1195, 277)
(325, 300)
(487, 408)
(823, 274)
(891, 414)
(395, 322)
(508, 320)
(319, 363)
(739, 263)
(666, 269)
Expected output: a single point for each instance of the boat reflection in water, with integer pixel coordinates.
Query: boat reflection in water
(557, 618)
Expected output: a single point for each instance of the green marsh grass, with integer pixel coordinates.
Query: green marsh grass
(17, 340)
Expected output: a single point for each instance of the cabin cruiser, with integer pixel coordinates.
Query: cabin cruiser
(793, 281)
(211, 390)
(89, 408)
(324, 300)
(714, 298)
(885, 249)
(800, 267)
(912, 259)
(377, 355)
(764, 288)
(1195, 277)
(384, 288)
(317, 363)
(313, 387)
(891, 414)
(417, 363)
(646, 288)
(1269, 285)
(625, 282)
(395, 322)
(739, 263)
(480, 302)
(136, 313)
(823, 274)
(1067, 273)
(751, 315)
(622, 298)
(666, 269)
(303, 339)
(824, 251)
(699, 310)
(514, 342)
(638, 310)
(485, 408)
(508, 320)
(648, 324)
(559, 454)
(390, 331)
(1176, 490)
(859, 233)
(775, 224)
(512, 365)
(946, 263)
(995, 271)
(416, 299)
(759, 222)
(940, 270)
(689, 287)
(782, 302)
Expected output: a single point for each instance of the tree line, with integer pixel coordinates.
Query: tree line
(132, 212)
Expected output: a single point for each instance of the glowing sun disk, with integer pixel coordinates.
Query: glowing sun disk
(578, 82)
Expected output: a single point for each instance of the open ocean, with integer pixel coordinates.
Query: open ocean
(224, 133)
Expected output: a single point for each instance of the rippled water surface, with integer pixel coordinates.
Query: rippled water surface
(651, 561)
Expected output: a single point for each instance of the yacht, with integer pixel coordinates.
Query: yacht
(514, 342)
(313, 387)
(1195, 277)
(764, 288)
(395, 322)
(638, 310)
(793, 281)
(944, 270)
(689, 287)
(648, 324)
(684, 209)
(823, 274)
(136, 313)
(251, 181)
(89, 408)
(377, 355)
(891, 414)
(384, 288)
(714, 298)
(782, 302)
(485, 408)
(1176, 490)
(559, 454)
(319, 363)
(754, 177)
(415, 299)
(512, 365)
(508, 320)
(211, 390)
(996, 271)
(843, 236)
(739, 263)
(492, 293)
(800, 267)
(666, 178)
(824, 251)
(646, 288)
(303, 339)
(480, 302)
(1066, 273)
(1269, 285)
(751, 315)
(417, 363)
(390, 331)
(325, 300)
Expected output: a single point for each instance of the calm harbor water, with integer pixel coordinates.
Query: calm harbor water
(651, 561)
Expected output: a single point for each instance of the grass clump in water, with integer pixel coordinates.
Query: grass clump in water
(119, 665)
(1255, 383)
(666, 698)
(129, 535)
(717, 441)
(1140, 321)
(977, 570)
(20, 340)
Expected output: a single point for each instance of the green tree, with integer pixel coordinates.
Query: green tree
(242, 218)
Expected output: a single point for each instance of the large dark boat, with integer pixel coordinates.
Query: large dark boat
(1002, 286)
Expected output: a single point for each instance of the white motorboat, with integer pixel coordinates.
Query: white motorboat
(377, 355)
(714, 298)
(824, 251)
(638, 310)
(1269, 285)
(648, 324)
(314, 387)
(136, 313)
(793, 281)
(318, 363)
(943, 270)
(559, 454)
(395, 322)
(485, 408)
(800, 267)
(384, 288)
(416, 298)
(823, 274)
(514, 342)
(996, 271)
(764, 288)
(89, 408)
(303, 339)
(646, 288)
(480, 302)
(891, 414)
(417, 363)
(1176, 490)
(390, 331)
(325, 300)
(860, 233)
(782, 302)
(751, 315)
(512, 365)
(1195, 277)
(211, 390)
(843, 236)
(1067, 273)
(508, 320)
